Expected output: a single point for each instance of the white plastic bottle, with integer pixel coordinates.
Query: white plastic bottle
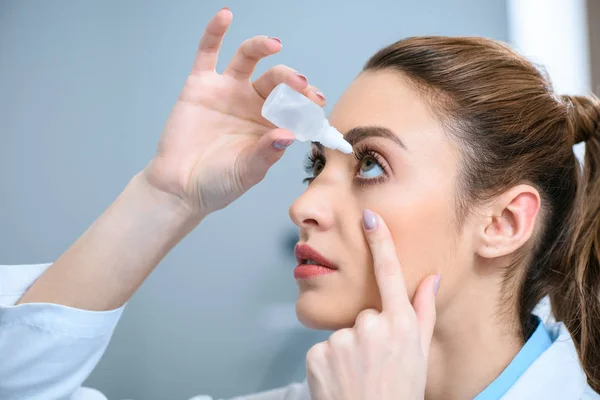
(288, 109)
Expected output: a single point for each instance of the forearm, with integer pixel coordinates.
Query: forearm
(105, 266)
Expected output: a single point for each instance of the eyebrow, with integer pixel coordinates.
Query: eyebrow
(360, 133)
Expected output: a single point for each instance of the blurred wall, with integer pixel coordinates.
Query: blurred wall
(593, 24)
(564, 53)
(85, 88)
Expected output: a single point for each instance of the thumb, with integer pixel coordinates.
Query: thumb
(267, 151)
(424, 305)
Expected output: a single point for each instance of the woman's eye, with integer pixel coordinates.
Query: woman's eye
(370, 168)
(313, 165)
(318, 167)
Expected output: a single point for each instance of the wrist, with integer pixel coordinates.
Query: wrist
(164, 196)
(156, 215)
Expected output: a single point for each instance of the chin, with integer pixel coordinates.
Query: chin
(317, 311)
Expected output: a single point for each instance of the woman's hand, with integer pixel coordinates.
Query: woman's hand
(384, 356)
(216, 145)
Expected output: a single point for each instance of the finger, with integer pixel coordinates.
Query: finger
(256, 161)
(317, 367)
(210, 43)
(280, 74)
(342, 341)
(366, 317)
(244, 61)
(316, 95)
(367, 323)
(284, 74)
(317, 357)
(424, 306)
(342, 354)
(388, 271)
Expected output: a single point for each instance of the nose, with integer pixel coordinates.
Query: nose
(313, 210)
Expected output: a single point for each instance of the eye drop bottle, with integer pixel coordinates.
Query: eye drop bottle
(288, 109)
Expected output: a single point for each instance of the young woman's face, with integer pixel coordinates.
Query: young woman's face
(406, 172)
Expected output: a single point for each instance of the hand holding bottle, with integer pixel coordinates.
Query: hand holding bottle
(216, 145)
(288, 109)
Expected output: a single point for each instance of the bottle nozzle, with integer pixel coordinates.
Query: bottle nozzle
(345, 147)
(332, 138)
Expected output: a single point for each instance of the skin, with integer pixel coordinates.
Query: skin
(476, 335)
(384, 355)
(413, 200)
(215, 146)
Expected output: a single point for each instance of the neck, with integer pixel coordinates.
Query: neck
(472, 344)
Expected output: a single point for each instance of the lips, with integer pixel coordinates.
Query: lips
(306, 255)
(310, 263)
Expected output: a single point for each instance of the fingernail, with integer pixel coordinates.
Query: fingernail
(320, 94)
(282, 144)
(369, 220)
(436, 286)
(302, 76)
(225, 8)
(275, 39)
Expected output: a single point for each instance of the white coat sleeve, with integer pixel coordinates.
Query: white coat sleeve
(47, 350)
(295, 391)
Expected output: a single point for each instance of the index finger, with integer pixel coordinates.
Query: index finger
(210, 43)
(388, 271)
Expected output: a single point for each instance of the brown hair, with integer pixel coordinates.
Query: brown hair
(513, 129)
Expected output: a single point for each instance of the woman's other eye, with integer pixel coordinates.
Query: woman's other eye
(370, 168)
(313, 165)
(318, 167)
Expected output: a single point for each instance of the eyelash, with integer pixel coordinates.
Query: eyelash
(360, 153)
(309, 165)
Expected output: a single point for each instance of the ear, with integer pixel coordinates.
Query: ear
(509, 222)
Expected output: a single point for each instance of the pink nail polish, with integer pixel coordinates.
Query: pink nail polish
(320, 94)
(436, 286)
(301, 76)
(275, 39)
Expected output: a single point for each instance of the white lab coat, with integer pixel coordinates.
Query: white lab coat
(47, 351)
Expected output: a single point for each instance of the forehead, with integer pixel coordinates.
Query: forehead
(384, 98)
(388, 99)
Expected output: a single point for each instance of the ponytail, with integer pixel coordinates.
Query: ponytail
(577, 301)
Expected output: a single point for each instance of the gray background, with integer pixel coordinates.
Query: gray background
(85, 88)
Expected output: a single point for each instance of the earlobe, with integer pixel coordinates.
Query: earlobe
(511, 224)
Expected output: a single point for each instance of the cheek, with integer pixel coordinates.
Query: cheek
(423, 230)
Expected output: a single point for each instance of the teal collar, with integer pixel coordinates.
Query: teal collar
(533, 348)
